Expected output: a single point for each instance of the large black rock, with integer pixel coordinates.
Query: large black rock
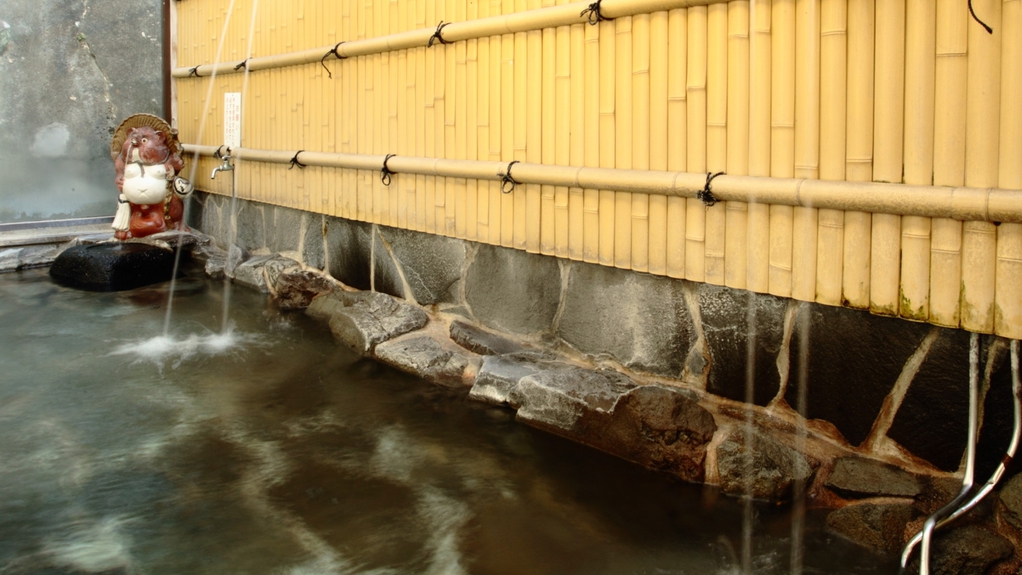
(112, 266)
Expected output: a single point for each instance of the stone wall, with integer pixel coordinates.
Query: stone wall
(70, 71)
(880, 386)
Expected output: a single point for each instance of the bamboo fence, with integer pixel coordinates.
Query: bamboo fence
(871, 151)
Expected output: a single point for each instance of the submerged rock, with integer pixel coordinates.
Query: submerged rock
(880, 527)
(964, 550)
(427, 358)
(858, 476)
(112, 266)
(759, 466)
(361, 320)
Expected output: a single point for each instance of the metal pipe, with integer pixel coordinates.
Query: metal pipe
(968, 477)
(1016, 392)
(983, 204)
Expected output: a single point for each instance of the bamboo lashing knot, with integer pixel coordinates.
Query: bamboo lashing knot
(322, 61)
(976, 18)
(194, 72)
(219, 155)
(295, 162)
(385, 172)
(438, 35)
(505, 179)
(593, 14)
(706, 194)
(242, 64)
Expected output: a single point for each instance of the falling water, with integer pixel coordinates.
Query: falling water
(798, 492)
(750, 387)
(195, 162)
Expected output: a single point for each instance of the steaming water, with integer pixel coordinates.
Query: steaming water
(269, 449)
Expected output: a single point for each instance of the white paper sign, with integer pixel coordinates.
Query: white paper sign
(232, 119)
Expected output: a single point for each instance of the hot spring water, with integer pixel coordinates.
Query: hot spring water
(268, 448)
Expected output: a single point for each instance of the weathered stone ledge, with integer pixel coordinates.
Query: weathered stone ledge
(745, 450)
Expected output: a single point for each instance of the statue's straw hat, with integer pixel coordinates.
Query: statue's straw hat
(155, 122)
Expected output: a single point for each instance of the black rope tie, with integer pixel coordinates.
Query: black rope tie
(385, 172)
(218, 155)
(242, 64)
(437, 36)
(194, 72)
(706, 194)
(976, 18)
(295, 162)
(593, 14)
(322, 61)
(505, 179)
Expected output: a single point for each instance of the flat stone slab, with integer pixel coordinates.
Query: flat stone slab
(880, 527)
(114, 266)
(481, 341)
(757, 465)
(361, 320)
(498, 376)
(857, 476)
(421, 355)
(557, 398)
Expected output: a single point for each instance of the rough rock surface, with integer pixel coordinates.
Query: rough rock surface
(427, 358)
(296, 287)
(760, 465)
(361, 320)
(880, 527)
(1011, 502)
(251, 273)
(498, 376)
(431, 263)
(112, 266)
(557, 398)
(965, 550)
(482, 342)
(858, 476)
(512, 291)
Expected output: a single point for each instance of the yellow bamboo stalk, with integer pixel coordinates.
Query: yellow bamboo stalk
(658, 130)
(608, 41)
(548, 136)
(460, 129)
(577, 154)
(982, 140)
(758, 252)
(453, 188)
(562, 136)
(807, 145)
(623, 141)
(833, 115)
(482, 126)
(521, 102)
(677, 133)
(593, 120)
(782, 140)
(859, 158)
(472, 124)
(695, 220)
(1008, 274)
(640, 38)
(497, 88)
(736, 238)
(716, 135)
(508, 132)
(534, 136)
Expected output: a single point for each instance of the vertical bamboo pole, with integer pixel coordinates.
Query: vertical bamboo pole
(758, 252)
(429, 120)
(695, 220)
(736, 249)
(948, 159)
(623, 141)
(1008, 275)
(859, 159)
(460, 131)
(591, 198)
(677, 134)
(888, 153)
(716, 134)
(833, 115)
(658, 129)
(482, 127)
(497, 89)
(451, 99)
(807, 144)
(577, 154)
(562, 135)
(548, 136)
(782, 140)
(639, 67)
(534, 133)
(521, 102)
(471, 127)
(982, 140)
(511, 79)
(608, 40)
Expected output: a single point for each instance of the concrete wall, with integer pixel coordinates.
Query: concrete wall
(70, 71)
(885, 387)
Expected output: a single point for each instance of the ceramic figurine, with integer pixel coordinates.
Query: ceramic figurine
(147, 158)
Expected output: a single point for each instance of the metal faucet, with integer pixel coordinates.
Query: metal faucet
(224, 167)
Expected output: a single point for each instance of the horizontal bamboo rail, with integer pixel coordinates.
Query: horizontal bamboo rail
(449, 32)
(960, 203)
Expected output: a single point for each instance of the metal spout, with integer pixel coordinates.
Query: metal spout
(224, 167)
